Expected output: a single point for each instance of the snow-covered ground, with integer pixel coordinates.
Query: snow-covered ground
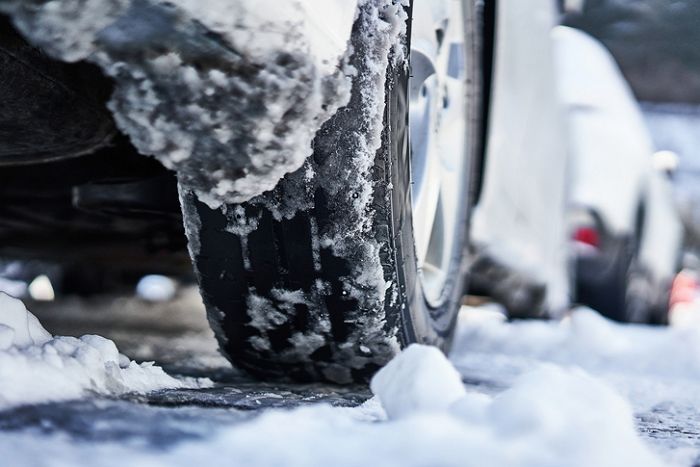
(655, 370)
(579, 392)
(36, 367)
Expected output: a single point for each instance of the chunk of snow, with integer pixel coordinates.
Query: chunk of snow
(156, 288)
(419, 379)
(26, 329)
(36, 367)
(41, 289)
(16, 288)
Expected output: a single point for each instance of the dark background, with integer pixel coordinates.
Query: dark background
(656, 43)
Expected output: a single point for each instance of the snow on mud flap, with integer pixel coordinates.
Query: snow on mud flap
(318, 279)
(218, 90)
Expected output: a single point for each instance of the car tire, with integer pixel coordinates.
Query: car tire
(623, 291)
(301, 284)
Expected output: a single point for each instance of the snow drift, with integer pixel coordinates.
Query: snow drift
(37, 368)
(585, 339)
(657, 369)
(550, 417)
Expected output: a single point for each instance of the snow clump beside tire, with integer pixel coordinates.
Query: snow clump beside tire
(36, 367)
(223, 92)
(550, 416)
(401, 392)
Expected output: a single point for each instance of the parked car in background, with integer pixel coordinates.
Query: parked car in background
(626, 236)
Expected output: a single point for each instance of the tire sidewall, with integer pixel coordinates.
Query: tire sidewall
(420, 321)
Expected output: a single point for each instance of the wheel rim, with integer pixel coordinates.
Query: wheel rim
(437, 125)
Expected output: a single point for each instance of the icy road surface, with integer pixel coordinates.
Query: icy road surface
(579, 392)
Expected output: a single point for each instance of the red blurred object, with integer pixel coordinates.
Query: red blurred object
(685, 288)
(588, 236)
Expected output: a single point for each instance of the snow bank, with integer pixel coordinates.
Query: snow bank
(655, 368)
(36, 367)
(585, 339)
(550, 417)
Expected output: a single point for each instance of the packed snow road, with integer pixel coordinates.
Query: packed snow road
(580, 392)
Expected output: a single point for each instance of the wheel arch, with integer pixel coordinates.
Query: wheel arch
(486, 11)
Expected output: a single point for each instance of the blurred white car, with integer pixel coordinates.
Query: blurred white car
(674, 129)
(519, 224)
(625, 232)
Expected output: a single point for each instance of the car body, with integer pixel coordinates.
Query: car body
(625, 231)
(184, 95)
(122, 206)
(519, 224)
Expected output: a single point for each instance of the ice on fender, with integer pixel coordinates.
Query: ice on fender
(220, 91)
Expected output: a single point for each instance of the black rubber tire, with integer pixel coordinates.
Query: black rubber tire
(603, 285)
(647, 300)
(285, 304)
(622, 291)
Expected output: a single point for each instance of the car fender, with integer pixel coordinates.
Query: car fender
(662, 232)
(520, 218)
(228, 94)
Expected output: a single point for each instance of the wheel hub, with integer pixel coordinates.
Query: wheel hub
(437, 125)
